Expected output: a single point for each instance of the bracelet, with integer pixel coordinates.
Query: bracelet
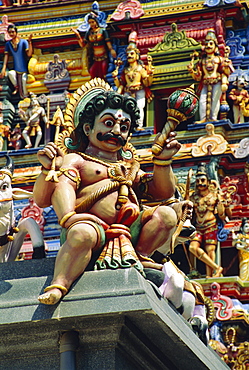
(162, 162)
(66, 217)
(45, 171)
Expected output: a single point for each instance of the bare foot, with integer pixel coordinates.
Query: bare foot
(51, 297)
(218, 272)
(28, 146)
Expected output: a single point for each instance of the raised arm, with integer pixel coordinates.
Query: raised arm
(163, 184)
(81, 42)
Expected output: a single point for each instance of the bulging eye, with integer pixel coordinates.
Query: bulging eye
(109, 123)
(123, 128)
(4, 186)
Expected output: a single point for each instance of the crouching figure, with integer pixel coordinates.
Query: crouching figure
(94, 183)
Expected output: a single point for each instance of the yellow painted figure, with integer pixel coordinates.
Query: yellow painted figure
(208, 204)
(241, 242)
(135, 79)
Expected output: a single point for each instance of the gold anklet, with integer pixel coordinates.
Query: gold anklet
(57, 286)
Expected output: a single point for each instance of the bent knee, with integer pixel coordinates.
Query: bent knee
(82, 234)
(166, 216)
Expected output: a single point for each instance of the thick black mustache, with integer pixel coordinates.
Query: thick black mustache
(110, 135)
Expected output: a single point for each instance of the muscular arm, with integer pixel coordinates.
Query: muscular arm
(61, 194)
(163, 184)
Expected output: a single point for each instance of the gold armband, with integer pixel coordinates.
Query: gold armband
(143, 185)
(66, 217)
(72, 174)
(162, 162)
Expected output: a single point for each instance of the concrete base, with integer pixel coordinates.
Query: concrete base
(122, 321)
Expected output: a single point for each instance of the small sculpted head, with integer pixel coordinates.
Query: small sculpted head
(12, 31)
(202, 180)
(244, 228)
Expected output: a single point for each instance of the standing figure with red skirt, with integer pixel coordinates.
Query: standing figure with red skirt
(98, 42)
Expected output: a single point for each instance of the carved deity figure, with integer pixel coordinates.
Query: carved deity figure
(208, 204)
(94, 182)
(15, 138)
(212, 72)
(32, 117)
(241, 242)
(135, 78)
(20, 49)
(98, 42)
(240, 97)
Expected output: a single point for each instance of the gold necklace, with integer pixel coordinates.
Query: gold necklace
(100, 161)
(131, 73)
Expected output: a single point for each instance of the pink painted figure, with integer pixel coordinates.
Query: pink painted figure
(4, 36)
(96, 189)
(212, 72)
(20, 49)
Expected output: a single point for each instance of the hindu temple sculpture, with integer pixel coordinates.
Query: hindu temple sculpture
(240, 98)
(21, 50)
(135, 78)
(32, 116)
(97, 40)
(211, 71)
(241, 242)
(92, 166)
(208, 204)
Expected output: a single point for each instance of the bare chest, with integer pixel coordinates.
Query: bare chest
(92, 173)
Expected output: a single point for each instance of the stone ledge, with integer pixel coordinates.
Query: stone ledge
(115, 312)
